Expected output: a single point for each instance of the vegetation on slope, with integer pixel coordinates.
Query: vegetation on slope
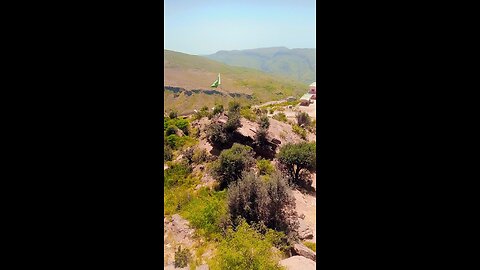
(195, 72)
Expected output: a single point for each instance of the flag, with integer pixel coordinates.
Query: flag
(217, 82)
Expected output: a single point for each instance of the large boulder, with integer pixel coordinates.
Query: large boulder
(298, 263)
(304, 231)
(302, 250)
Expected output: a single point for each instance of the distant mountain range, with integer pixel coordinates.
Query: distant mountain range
(187, 80)
(298, 64)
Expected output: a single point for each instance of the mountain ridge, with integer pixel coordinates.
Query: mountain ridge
(296, 63)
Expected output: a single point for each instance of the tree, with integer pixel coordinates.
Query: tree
(231, 163)
(296, 158)
(216, 134)
(303, 119)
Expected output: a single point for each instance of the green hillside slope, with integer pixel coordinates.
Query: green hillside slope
(187, 79)
(298, 64)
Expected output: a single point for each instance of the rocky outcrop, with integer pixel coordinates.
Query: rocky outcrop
(298, 263)
(304, 231)
(302, 250)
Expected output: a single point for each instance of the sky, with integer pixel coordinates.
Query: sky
(203, 27)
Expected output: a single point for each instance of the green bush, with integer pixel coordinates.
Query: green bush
(265, 167)
(216, 134)
(200, 156)
(280, 117)
(303, 119)
(248, 114)
(218, 109)
(300, 131)
(244, 249)
(264, 122)
(257, 201)
(231, 163)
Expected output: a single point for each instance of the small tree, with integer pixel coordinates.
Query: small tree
(295, 158)
(231, 163)
(264, 122)
(216, 134)
(233, 122)
(303, 119)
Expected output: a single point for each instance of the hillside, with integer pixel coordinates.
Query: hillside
(298, 64)
(187, 80)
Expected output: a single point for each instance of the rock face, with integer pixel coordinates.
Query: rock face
(302, 250)
(304, 231)
(176, 232)
(298, 263)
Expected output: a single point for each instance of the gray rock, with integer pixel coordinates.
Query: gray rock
(302, 250)
(298, 263)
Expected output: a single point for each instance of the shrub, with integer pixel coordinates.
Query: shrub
(172, 140)
(234, 106)
(183, 125)
(261, 139)
(216, 134)
(280, 117)
(295, 158)
(248, 114)
(269, 203)
(231, 163)
(264, 122)
(200, 156)
(264, 166)
(167, 153)
(303, 119)
(173, 114)
(217, 109)
(300, 131)
(182, 257)
(233, 122)
(171, 130)
(188, 155)
(244, 248)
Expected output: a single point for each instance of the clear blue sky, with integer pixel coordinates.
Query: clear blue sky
(207, 26)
